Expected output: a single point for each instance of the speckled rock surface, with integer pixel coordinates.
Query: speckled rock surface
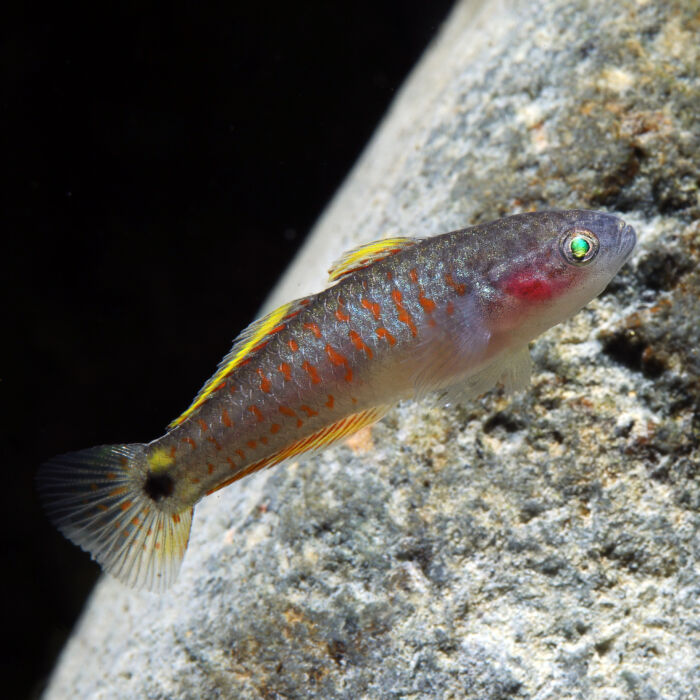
(542, 546)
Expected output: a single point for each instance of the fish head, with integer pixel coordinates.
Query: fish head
(560, 261)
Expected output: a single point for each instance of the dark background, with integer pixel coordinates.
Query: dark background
(159, 170)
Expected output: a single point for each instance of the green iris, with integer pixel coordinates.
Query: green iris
(579, 247)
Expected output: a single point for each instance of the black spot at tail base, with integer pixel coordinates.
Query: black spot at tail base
(159, 486)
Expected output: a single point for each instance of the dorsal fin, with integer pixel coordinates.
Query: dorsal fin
(366, 254)
(251, 339)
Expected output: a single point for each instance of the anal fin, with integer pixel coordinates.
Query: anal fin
(518, 370)
(512, 370)
(311, 443)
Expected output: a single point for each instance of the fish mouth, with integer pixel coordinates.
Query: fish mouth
(628, 239)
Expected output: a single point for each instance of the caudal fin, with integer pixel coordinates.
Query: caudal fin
(98, 500)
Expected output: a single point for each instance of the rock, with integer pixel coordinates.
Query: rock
(542, 546)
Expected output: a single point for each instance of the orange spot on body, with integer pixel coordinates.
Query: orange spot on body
(135, 521)
(360, 344)
(263, 440)
(291, 413)
(176, 518)
(313, 328)
(189, 441)
(286, 371)
(173, 449)
(312, 372)
(264, 381)
(202, 425)
(331, 401)
(274, 428)
(384, 333)
(232, 388)
(341, 315)
(252, 444)
(389, 275)
(231, 463)
(126, 505)
(214, 442)
(404, 316)
(111, 475)
(413, 275)
(427, 304)
(118, 492)
(156, 545)
(210, 468)
(450, 308)
(256, 412)
(225, 418)
(371, 306)
(308, 410)
(339, 360)
(335, 357)
(195, 480)
(459, 288)
(240, 453)
(286, 411)
(220, 386)
(293, 345)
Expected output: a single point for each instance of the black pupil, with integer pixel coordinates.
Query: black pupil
(159, 486)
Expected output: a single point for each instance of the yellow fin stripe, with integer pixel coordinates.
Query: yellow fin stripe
(253, 335)
(366, 254)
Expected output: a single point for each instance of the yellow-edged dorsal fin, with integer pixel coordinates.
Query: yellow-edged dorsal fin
(252, 339)
(366, 254)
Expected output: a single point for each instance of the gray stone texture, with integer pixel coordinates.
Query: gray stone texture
(538, 546)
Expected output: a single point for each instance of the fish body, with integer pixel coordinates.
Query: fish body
(404, 317)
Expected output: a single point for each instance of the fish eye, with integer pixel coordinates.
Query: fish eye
(579, 246)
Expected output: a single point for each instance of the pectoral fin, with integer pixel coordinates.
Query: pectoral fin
(518, 370)
(512, 370)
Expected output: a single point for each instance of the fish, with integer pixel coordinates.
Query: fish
(403, 317)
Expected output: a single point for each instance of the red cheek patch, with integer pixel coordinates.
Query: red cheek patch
(529, 288)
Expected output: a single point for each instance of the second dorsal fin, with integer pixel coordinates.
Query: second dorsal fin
(366, 254)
